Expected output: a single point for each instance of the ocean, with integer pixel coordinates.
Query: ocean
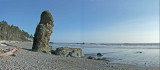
(138, 54)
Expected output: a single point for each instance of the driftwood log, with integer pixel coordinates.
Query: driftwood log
(11, 52)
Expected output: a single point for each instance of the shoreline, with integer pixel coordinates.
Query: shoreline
(29, 60)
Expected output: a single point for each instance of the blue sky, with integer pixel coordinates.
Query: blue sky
(92, 21)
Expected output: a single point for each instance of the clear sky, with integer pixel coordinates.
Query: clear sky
(92, 21)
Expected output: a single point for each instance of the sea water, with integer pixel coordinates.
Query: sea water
(143, 55)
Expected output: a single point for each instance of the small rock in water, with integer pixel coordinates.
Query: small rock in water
(99, 54)
(139, 52)
(51, 42)
(104, 58)
(90, 57)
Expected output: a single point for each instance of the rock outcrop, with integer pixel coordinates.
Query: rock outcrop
(43, 32)
(69, 52)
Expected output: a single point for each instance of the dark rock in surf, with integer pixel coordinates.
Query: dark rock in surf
(139, 52)
(99, 54)
(91, 57)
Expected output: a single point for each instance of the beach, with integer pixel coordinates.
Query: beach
(79, 35)
(29, 60)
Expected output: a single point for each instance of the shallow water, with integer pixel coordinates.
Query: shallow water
(123, 54)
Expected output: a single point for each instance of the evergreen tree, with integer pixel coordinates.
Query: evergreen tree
(11, 32)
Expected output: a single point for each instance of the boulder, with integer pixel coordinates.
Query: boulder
(43, 33)
(69, 52)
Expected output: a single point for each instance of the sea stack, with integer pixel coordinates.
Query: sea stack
(43, 32)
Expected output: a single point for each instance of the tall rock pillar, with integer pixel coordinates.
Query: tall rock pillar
(43, 32)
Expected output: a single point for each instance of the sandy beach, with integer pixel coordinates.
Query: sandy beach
(29, 60)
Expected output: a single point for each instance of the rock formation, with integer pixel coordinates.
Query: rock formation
(69, 52)
(43, 32)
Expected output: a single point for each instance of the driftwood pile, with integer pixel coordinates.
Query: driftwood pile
(8, 52)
